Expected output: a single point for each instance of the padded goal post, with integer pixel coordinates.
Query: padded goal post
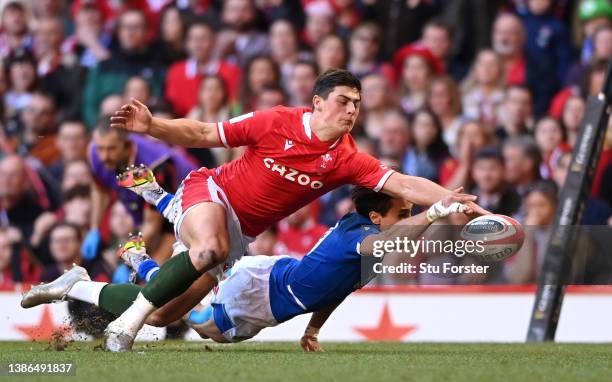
(560, 249)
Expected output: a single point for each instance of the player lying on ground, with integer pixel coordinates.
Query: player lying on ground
(293, 156)
(263, 291)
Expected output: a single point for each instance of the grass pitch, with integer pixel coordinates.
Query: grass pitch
(372, 362)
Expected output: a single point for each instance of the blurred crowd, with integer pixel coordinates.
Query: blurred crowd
(488, 95)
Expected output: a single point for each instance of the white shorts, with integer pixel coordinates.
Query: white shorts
(241, 303)
(199, 187)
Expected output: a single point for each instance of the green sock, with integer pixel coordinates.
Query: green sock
(173, 278)
(116, 298)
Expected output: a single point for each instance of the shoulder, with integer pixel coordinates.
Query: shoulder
(177, 68)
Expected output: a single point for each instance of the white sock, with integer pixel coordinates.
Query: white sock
(153, 193)
(87, 291)
(134, 317)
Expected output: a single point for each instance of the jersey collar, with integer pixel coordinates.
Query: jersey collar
(308, 131)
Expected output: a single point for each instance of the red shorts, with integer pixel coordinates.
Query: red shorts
(199, 187)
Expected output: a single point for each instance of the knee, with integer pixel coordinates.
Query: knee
(208, 253)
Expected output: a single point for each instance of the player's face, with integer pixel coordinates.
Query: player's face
(340, 109)
(400, 209)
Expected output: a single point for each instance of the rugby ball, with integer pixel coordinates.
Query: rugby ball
(500, 236)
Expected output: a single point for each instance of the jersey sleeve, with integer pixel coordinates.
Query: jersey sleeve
(244, 130)
(357, 235)
(367, 171)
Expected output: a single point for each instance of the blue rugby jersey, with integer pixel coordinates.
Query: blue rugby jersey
(326, 275)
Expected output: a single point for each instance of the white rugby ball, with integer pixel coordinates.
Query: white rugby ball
(500, 236)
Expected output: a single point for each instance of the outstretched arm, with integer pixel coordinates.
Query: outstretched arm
(309, 340)
(424, 192)
(413, 226)
(136, 117)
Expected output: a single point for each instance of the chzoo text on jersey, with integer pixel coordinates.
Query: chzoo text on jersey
(292, 174)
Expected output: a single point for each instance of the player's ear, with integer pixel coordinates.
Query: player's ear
(375, 217)
(316, 102)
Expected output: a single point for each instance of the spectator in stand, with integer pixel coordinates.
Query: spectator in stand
(509, 43)
(16, 264)
(376, 103)
(260, 72)
(515, 113)
(483, 89)
(298, 233)
(64, 245)
(437, 37)
(284, 48)
(212, 107)
(76, 173)
(472, 136)
(602, 49)
(21, 69)
(522, 159)
(171, 36)
(415, 65)
(72, 140)
(597, 211)
(111, 103)
(77, 207)
(550, 138)
(394, 137)
(331, 52)
(14, 26)
(548, 52)
(494, 193)
(90, 41)
(593, 79)
(402, 22)
(301, 83)
(20, 201)
(269, 97)
(120, 225)
(593, 14)
(319, 22)
(444, 99)
(571, 118)
(239, 37)
(347, 15)
(134, 56)
(57, 71)
(364, 49)
(428, 152)
(35, 133)
(111, 152)
(138, 88)
(184, 77)
(539, 208)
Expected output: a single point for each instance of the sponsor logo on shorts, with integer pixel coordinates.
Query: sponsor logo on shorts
(292, 175)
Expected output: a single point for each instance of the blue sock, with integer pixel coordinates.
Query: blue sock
(147, 269)
(163, 202)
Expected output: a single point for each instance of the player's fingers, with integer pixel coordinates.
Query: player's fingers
(137, 103)
(122, 113)
(116, 119)
(467, 198)
(458, 190)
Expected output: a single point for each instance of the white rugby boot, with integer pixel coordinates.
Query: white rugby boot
(56, 290)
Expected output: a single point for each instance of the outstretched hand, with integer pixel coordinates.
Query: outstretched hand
(469, 202)
(134, 116)
(310, 344)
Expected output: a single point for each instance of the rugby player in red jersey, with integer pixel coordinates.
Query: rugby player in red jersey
(293, 156)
